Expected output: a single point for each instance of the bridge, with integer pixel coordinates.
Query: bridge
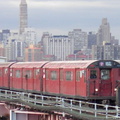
(61, 107)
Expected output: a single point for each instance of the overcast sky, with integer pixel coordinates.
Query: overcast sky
(61, 16)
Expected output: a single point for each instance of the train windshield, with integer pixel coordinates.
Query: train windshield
(93, 74)
(105, 74)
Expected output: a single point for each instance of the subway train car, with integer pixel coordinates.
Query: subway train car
(89, 80)
(27, 76)
(92, 80)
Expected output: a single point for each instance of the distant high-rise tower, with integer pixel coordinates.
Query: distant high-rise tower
(23, 16)
(103, 35)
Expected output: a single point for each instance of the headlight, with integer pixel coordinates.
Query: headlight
(115, 89)
(96, 89)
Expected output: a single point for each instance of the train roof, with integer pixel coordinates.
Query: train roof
(6, 64)
(29, 64)
(61, 64)
(82, 64)
(69, 64)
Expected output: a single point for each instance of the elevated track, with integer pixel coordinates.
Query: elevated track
(68, 107)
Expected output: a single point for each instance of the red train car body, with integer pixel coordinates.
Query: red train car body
(5, 74)
(26, 76)
(87, 80)
(82, 79)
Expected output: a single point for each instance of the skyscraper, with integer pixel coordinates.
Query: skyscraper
(103, 35)
(23, 16)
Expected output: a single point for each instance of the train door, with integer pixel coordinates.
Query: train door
(93, 82)
(105, 82)
(67, 86)
(6, 77)
(80, 85)
(52, 82)
(37, 79)
(16, 79)
(28, 83)
(25, 79)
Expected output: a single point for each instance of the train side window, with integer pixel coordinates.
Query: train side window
(77, 75)
(28, 74)
(53, 75)
(68, 75)
(61, 74)
(85, 76)
(105, 74)
(5, 71)
(18, 74)
(93, 74)
(36, 72)
(47, 74)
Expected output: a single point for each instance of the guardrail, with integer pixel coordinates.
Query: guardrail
(79, 107)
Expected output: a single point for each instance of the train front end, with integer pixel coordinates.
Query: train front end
(103, 80)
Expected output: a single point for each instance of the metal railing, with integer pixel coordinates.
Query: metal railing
(79, 107)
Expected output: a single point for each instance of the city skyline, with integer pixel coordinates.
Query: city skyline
(59, 17)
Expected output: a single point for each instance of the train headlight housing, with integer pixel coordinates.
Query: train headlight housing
(96, 90)
(115, 89)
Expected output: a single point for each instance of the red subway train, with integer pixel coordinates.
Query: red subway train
(92, 80)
